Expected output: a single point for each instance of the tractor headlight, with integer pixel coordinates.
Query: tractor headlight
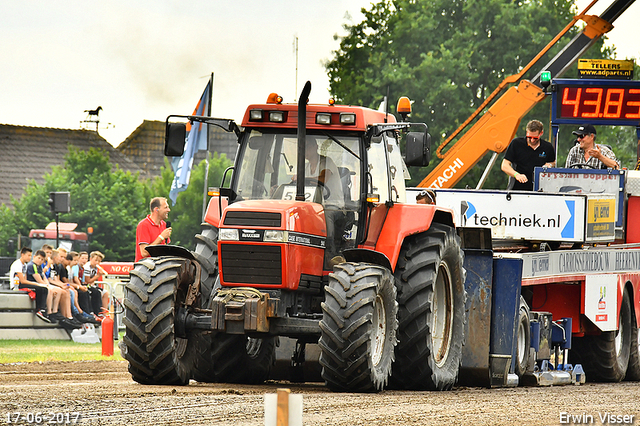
(275, 236)
(347, 118)
(226, 234)
(322, 118)
(256, 115)
(276, 116)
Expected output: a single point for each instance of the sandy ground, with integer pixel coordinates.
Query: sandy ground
(104, 394)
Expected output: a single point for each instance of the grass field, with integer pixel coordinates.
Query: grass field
(12, 351)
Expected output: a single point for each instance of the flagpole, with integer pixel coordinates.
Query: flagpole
(206, 169)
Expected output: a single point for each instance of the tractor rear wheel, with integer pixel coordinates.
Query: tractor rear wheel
(156, 355)
(431, 297)
(523, 339)
(605, 357)
(358, 328)
(206, 253)
(633, 370)
(241, 359)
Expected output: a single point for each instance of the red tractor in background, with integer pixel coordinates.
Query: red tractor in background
(311, 241)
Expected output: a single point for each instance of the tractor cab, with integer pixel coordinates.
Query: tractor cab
(346, 160)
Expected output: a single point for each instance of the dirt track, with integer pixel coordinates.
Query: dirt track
(104, 394)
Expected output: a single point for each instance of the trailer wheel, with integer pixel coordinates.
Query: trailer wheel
(241, 359)
(605, 357)
(358, 328)
(206, 253)
(156, 355)
(523, 341)
(431, 296)
(633, 370)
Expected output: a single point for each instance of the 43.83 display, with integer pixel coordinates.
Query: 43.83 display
(615, 102)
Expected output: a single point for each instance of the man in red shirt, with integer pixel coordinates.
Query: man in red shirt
(152, 230)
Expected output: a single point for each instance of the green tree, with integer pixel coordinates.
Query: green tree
(107, 199)
(110, 201)
(447, 56)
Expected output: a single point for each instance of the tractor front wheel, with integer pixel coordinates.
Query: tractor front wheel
(156, 355)
(358, 328)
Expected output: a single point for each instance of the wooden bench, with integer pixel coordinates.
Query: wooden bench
(18, 319)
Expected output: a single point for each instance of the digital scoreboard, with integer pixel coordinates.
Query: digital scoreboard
(610, 102)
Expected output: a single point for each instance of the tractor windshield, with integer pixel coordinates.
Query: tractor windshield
(332, 168)
(268, 171)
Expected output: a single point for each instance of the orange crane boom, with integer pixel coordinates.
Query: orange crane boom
(498, 125)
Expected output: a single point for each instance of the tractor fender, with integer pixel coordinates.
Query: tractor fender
(169, 250)
(403, 220)
(358, 255)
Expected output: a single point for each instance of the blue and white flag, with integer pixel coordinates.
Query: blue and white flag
(196, 141)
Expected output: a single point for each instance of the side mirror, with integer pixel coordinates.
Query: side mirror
(174, 139)
(418, 152)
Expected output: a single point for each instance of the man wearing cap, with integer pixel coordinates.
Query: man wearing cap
(524, 154)
(589, 153)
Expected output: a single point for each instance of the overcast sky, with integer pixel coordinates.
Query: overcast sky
(146, 59)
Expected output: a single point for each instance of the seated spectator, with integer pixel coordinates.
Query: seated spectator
(64, 307)
(58, 273)
(46, 265)
(69, 263)
(77, 277)
(588, 153)
(19, 281)
(427, 196)
(92, 272)
(34, 272)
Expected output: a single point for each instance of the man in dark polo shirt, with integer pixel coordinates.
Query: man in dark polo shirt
(153, 229)
(524, 154)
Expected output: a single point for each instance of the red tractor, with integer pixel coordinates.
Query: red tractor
(312, 241)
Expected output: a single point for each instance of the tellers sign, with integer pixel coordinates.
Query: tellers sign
(615, 102)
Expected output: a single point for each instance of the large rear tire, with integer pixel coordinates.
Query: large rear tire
(605, 357)
(633, 370)
(156, 355)
(523, 339)
(358, 328)
(206, 253)
(242, 359)
(431, 297)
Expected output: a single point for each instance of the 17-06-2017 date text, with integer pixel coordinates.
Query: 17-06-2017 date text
(46, 418)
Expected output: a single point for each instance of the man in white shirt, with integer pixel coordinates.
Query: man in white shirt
(18, 267)
(18, 277)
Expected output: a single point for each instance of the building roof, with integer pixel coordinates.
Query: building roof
(31, 152)
(145, 146)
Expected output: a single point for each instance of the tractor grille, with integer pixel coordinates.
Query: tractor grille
(265, 220)
(251, 264)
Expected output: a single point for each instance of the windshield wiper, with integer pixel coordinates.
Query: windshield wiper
(341, 144)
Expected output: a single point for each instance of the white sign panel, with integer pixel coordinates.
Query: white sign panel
(601, 301)
(572, 262)
(518, 215)
(583, 181)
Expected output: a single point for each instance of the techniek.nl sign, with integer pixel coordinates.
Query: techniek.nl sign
(515, 216)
